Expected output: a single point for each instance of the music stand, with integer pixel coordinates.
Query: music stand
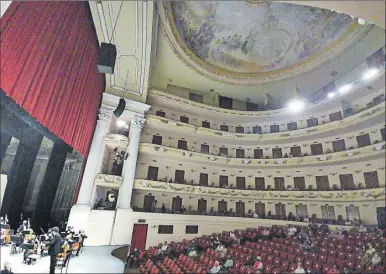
(15, 241)
(4, 226)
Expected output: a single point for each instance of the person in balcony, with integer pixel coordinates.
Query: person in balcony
(348, 222)
(291, 217)
(255, 215)
(340, 220)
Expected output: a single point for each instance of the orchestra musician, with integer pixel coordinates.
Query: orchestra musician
(54, 247)
(23, 226)
(82, 237)
(7, 269)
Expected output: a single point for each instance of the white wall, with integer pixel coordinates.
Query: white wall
(206, 226)
(4, 6)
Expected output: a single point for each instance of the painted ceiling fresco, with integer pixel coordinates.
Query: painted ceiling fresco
(254, 38)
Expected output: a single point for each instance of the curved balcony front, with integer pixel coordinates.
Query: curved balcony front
(320, 196)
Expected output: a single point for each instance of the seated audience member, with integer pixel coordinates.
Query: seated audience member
(299, 269)
(7, 269)
(164, 249)
(220, 248)
(346, 270)
(192, 254)
(216, 268)
(333, 270)
(292, 231)
(367, 256)
(228, 263)
(130, 260)
(376, 260)
(317, 271)
(255, 215)
(266, 233)
(216, 243)
(233, 237)
(258, 265)
(192, 246)
(250, 214)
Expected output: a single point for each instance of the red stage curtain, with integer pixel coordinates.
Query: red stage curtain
(138, 239)
(48, 66)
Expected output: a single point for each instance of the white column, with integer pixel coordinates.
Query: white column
(124, 196)
(4, 6)
(95, 157)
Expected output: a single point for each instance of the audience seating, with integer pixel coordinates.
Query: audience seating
(279, 255)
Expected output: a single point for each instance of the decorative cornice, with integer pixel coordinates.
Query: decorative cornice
(108, 180)
(105, 114)
(182, 155)
(339, 196)
(138, 123)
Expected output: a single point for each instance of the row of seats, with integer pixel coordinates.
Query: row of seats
(279, 255)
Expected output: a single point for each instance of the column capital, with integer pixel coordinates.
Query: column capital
(105, 114)
(138, 122)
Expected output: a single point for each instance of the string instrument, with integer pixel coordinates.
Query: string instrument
(28, 234)
(5, 233)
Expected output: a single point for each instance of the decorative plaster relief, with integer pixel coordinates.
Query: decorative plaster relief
(110, 180)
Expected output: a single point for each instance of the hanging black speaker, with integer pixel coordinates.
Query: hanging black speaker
(120, 108)
(106, 58)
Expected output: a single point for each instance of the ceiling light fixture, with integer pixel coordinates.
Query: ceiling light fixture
(121, 123)
(296, 105)
(362, 21)
(370, 74)
(331, 94)
(345, 88)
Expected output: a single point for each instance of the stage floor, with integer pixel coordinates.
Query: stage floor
(92, 260)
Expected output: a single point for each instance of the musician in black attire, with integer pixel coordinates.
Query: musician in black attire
(7, 269)
(54, 248)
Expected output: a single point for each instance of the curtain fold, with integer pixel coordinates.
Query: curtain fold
(48, 56)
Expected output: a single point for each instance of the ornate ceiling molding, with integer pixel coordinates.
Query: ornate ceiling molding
(346, 42)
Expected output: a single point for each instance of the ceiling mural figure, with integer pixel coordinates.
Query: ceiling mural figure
(244, 38)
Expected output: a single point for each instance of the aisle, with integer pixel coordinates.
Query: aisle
(92, 260)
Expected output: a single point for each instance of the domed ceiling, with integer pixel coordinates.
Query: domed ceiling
(255, 39)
